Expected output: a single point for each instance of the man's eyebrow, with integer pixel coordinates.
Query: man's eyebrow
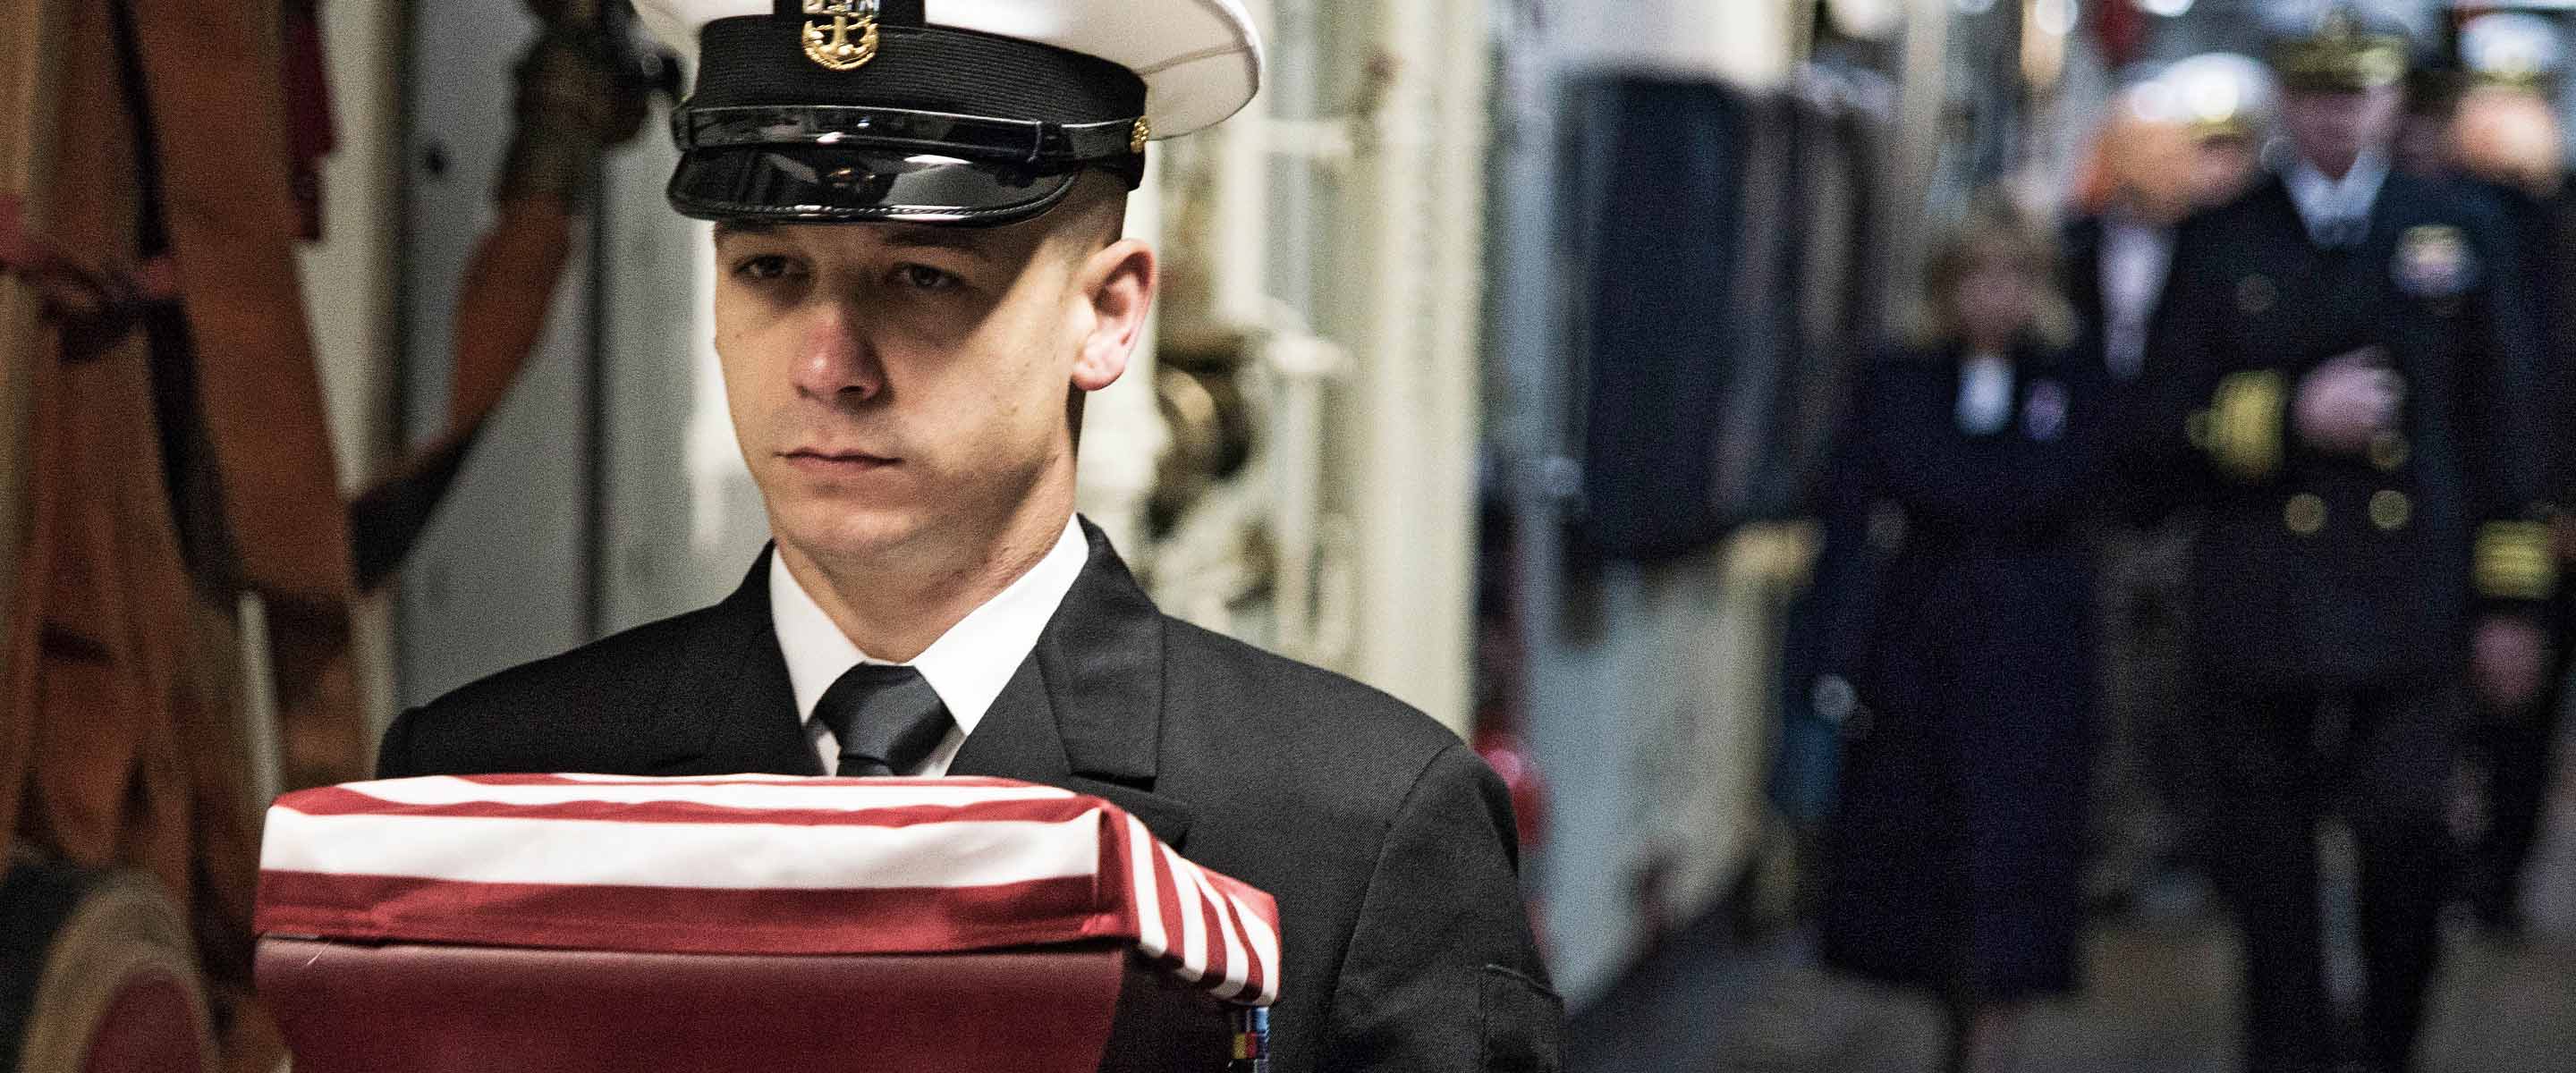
(958, 239)
(915, 236)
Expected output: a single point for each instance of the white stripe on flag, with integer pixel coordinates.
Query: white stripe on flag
(590, 776)
(448, 790)
(713, 856)
(1148, 894)
(1194, 958)
(1219, 904)
(1265, 946)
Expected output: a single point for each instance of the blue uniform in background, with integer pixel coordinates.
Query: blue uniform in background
(2333, 597)
(1957, 597)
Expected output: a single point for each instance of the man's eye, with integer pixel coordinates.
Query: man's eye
(766, 266)
(925, 278)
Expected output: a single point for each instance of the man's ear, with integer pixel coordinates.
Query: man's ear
(1117, 284)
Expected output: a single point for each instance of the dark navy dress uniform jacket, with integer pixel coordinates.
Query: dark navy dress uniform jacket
(1388, 843)
(2315, 572)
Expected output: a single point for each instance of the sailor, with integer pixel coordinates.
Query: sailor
(922, 271)
(2185, 139)
(2504, 133)
(2340, 373)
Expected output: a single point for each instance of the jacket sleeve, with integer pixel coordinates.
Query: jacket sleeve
(1829, 621)
(2502, 383)
(1442, 973)
(393, 757)
(2186, 412)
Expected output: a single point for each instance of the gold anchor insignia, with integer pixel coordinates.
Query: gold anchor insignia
(830, 45)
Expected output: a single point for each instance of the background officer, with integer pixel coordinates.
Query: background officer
(2181, 141)
(2503, 132)
(2340, 364)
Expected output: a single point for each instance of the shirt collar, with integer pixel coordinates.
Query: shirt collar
(967, 666)
(2322, 201)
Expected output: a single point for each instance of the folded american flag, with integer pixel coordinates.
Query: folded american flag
(753, 865)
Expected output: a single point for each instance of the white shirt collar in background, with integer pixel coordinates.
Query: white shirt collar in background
(2327, 203)
(1985, 394)
(967, 666)
(2136, 258)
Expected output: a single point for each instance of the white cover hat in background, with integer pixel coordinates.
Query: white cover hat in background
(2511, 46)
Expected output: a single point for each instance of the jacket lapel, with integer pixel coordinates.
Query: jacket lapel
(1085, 711)
(2084, 269)
(733, 698)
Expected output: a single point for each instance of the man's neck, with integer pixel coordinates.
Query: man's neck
(893, 611)
(2140, 210)
(1976, 345)
(2344, 168)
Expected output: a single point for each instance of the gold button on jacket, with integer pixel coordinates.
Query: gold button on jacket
(2305, 514)
(2390, 510)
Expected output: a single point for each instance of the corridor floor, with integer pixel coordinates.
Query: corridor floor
(2161, 1000)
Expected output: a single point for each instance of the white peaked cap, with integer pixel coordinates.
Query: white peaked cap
(1200, 60)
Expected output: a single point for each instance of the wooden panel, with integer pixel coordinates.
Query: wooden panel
(29, 70)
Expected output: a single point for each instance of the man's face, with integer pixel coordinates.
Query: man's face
(2332, 128)
(901, 390)
(2221, 167)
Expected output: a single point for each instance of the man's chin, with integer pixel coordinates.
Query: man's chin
(841, 533)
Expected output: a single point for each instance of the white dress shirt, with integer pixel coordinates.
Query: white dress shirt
(2325, 204)
(2136, 257)
(1985, 394)
(967, 666)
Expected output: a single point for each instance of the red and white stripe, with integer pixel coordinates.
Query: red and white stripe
(753, 865)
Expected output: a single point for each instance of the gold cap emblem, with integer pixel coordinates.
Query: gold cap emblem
(2341, 55)
(841, 34)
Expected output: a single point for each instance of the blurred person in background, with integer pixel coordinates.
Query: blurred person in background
(1965, 465)
(2502, 132)
(2186, 139)
(2337, 377)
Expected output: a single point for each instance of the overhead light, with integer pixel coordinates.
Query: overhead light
(1973, 7)
(2171, 9)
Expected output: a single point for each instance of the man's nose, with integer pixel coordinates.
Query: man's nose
(835, 362)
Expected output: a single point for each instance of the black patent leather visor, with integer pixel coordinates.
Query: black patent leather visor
(824, 183)
(869, 164)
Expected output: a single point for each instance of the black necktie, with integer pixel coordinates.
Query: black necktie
(886, 717)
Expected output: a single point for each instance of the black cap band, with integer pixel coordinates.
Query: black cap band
(761, 60)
